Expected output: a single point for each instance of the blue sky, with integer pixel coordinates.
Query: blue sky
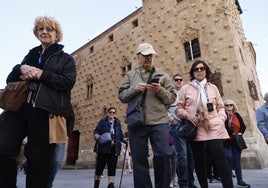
(82, 20)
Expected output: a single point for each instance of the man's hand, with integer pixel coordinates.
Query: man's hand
(154, 87)
(140, 87)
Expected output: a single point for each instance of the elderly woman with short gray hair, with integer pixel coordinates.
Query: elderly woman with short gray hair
(51, 75)
(234, 125)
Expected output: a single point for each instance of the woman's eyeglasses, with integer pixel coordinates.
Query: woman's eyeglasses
(48, 29)
(199, 69)
(178, 79)
(229, 105)
(111, 112)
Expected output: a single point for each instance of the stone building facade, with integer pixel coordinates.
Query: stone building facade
(181, 32)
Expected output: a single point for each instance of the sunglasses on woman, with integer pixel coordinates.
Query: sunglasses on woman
(196, 69)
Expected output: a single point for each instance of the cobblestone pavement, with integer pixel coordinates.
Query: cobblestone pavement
(257, 178)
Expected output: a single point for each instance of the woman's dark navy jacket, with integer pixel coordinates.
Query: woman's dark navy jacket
(242, 125)
(56, 81)
(103, 127)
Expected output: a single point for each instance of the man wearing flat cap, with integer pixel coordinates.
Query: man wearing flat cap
(262, 118)
(159, 95)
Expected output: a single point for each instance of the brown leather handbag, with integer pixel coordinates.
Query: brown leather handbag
(13, 95)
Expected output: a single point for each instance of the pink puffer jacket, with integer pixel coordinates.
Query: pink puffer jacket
(187, 104)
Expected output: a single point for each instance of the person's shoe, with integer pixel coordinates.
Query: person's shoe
(111, 185)
(243, 184)
(96, 183)
(214, 180)
(171, 185)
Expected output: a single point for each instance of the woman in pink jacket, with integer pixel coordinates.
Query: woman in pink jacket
(200, 102)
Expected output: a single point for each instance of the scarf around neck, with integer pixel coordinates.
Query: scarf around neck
(202, 95)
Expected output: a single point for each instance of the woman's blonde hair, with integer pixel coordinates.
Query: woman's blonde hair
(229, 101)
(48, 21)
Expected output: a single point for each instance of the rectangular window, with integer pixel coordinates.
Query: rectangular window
(192, 49)
(90, 90)
(91, 49)
(135, 23)
(111, 38)
(196, 48)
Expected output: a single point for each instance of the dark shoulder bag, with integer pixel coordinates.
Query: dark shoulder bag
(187, 130)
(135, 111)
(240, 142)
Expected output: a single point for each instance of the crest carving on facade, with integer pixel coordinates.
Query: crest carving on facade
(189, 34)
(125, 65)
(124, 62)
(222, 7)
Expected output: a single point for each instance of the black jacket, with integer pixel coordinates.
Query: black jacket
(103, 127)
(241, 122)
(56, 81)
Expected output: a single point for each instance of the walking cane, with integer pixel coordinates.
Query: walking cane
(123, 166)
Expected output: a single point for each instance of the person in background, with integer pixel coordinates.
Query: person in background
(200, 102)
(184, 163)
(21, 159)
(51, 75)
(107, 153)
(128, 155)
(233, 173)
(234, 125)
(172, 159)
(262, 118)
(155, 128)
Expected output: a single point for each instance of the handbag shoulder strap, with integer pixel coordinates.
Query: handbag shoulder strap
(148, 82)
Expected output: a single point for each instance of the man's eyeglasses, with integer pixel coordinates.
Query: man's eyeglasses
(178, 79)
(111, 112)
(229, 105)
(48, 29)
(199, 69)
